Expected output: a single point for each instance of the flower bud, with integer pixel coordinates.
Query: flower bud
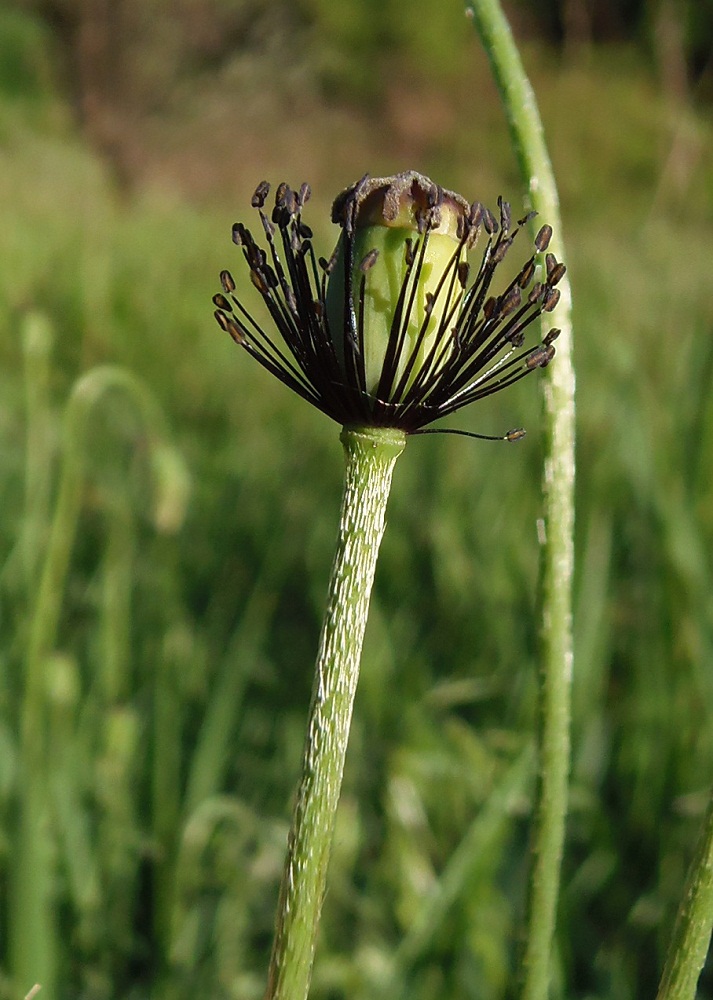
(402, 240)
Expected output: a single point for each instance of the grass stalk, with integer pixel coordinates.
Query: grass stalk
(32, 939)
(33, 934)
(168, 723)
(470, 861)
(692, 931)
(210, 758)
(558, 555)
(37, 337)
(370, 455)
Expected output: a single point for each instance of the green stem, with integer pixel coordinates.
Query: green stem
(32, 929)
(558, 556)
(692, 931)
(37, 338)
(370, 454)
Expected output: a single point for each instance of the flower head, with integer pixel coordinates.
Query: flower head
(393, 330)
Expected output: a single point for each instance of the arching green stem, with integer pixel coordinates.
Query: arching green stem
(32, 933)
(370, 454)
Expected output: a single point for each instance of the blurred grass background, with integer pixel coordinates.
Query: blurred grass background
(169, 511)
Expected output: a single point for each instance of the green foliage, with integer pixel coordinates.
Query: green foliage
(24, 66)
(371, 42)
(173, 690)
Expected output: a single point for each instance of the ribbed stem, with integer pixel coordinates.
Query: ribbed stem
(692, 932)
(370, 454)
(558, 556)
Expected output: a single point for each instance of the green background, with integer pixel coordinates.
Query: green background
(152, 745)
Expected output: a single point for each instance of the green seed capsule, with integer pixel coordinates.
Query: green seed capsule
(390, 308)
(404, 279)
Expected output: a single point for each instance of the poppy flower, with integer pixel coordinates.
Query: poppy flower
(397, 328)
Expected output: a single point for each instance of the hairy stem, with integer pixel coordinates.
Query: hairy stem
(558, 556)
(692, 931)
(370, 455)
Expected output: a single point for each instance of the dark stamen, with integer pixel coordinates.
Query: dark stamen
(368, 261)
(261, 193)
(542, 240)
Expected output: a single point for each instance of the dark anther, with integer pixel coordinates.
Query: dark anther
(430, 301)
(235, 330)
(222, 320)
(527, 218)
(540, 357)
(552, 297)
(510, 302)
(550, 263)
(556, 274)
(256, 256)
(551, 336)
(526, 275)
(226, 281)
(291, 201)
(489, 223)
(230, 326)
(410, 253)
(221, 302)
(476, 214)
(536, 292)
(368, 261)
(260, 283)
(491, 309)
(241, 235)
(261, 193)
(305, 194)
(305, 232)
(505, 214)
(328, 265)
(516, 435)
(463, 272)
(542, 240)
(501, 249)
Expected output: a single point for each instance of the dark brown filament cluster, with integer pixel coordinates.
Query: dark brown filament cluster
(477, 349)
